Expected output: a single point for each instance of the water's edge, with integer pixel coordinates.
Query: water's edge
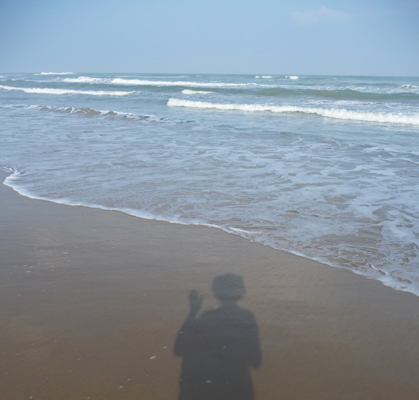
(135, 213)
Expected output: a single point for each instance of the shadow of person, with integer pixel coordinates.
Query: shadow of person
(219, 346)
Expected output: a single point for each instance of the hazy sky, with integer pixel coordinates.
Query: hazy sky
(347, 37)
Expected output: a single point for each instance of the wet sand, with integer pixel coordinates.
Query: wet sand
(88, 297)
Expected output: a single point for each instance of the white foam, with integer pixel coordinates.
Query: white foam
(119, 81)
(186, 91)
(143, 82)
(267, 77)
(292, 77)
(86, 79)
(56, 73)
(379, 117)
(66, 91)
(155, 76)
(10, 182)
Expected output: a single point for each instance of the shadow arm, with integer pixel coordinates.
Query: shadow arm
(188, 333)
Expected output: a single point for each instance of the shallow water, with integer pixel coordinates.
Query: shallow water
(325, 167)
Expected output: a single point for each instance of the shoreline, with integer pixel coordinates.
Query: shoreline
(381, 276)
(89, 296)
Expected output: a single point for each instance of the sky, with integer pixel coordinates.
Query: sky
(325, 37)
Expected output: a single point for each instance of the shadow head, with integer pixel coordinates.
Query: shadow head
(228, 287)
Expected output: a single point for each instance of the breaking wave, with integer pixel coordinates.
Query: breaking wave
(142, 82)
(66, 91)
(186, 91)
(87, 111)
(56, 73)
(86, 79)
(366, 116)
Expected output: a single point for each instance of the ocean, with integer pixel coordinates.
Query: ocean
(326, 167)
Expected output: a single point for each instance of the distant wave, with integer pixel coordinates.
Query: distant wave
(86, 79)
(154, 76)
(56, 73)
(141, 82)
(158, 76)
(324, 112)
(65, 91)
(323, 90)
(186, 91)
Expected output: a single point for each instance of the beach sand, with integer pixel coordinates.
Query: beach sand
(89, 297)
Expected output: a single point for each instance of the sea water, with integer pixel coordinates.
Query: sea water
(322, 166)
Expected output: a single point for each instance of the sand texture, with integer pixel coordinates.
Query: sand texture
(97, 305)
